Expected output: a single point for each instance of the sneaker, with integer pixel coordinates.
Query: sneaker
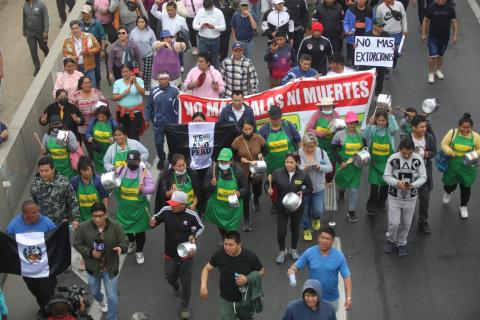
(316, 224)
(256, 204)
(281, 257)
(431, 78)
(446, 197)
(131, 247)
(307, 235)
(352, 218)
(176, 289)
(389, 247)
(139, 257)
(341, 196)
(402, 251)
(424, 227)
(185, 313)
(103, 305)
(182, 69)
(439, 74)
(195, 51)
(247, 226)
(294, 253)
(464, 212)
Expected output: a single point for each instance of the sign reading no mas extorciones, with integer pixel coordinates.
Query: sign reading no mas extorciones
(374, 51)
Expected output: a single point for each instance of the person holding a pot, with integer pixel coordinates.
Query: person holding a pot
(346, 144)
(380, 132)
(116, 155)
(288, 186)
(182, 225)
(456, 143)
(227, 186)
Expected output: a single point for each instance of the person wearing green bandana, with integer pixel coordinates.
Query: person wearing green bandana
(345, 144)
(379, 133)
(100, 135)
(223, 180)
(60, 151)
(116, 155)
(456, 143)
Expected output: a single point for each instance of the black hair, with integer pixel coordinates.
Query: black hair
(249, 122)
(59, 91)
(381, 113)
(28, 203)
(293, 155)
(59, 307)
(207, 4)
(206, 56)
(121, 129)
(327, 229)
(45, 160)
(67, 61)
(177, 157)
(281, 34)
(144, 19)
(406, 144)
(74, 22)
(310, 291)
(98, 206)
(126, 65)
(410, 109)
(233, 235)
(83, 163)
(305, 56)
(417, 119)
(466, 118)
(337, 58)
(80, 81)
(237, 93)
(103, 110)
(172, 4)
(199, 114)
(122, 28)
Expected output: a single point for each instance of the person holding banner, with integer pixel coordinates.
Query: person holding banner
(224, 180)
(237, 112)
(303, 70)
(116, 155)
(345, 144)
(337, 65)
(133, 211)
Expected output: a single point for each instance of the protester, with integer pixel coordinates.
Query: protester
(297, 9)
(439, 18)
(35, 29)
(280, 58)
(358, 21)
(62, 7)
(204, 80)
(422, 5)
(315, 162)
(181, 225)
(67, 79)
(116, 155)
(32, 220)
(337, 66)
(455, 144)
(121, 52)
(105, 17)
(248, 149)
(404, 173)
(238, 72)
(244, 25)
(277, 19)
(345, 144)
(128, 12)
(101, 241)
(193, 7)
(380, 135)
(167, 59)
(324, 264)
(303, 70)
(311, 306)
(330, 14)
(3, 132)
(237, 112)
(133, 211)
(318, 47)
(248, 271)
(377, 31)
(227, 7)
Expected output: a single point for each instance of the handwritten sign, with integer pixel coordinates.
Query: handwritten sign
(374, 51)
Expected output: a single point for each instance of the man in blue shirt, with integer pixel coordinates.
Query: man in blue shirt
(244, 25)
(324, 263)
(303, 70)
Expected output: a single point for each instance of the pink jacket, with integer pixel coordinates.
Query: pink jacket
(313, 122)
(102, 14)
(67, 82)
(206, 90)
(188, 4)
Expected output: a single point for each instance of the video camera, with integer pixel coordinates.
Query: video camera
(74, 303)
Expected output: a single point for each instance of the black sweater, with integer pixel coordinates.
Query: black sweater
(242, 183)
(282, 184)
(165, 182)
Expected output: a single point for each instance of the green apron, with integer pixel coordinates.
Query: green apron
(325, 143)
(120, 158)
(186, 187)
(457, 172)
(350, 176)
(219, 211)
(87, 197)
(278, 145)
(133, 207)
(102, 132)
(61, 158)
(380, 150)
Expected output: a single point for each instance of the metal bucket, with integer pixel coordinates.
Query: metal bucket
(259, 167)
(361, 158)
(470, 158)
(62, 137)
(111, 180)
(291, 201)
(430, 105)
(337, 124)
(186, 249)
(233, 201)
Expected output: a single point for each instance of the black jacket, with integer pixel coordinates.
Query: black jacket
(331, 17)
(242, 183)
(54, 109)
(320, 49)
(282, 185)
(165, 182)
(431, 147)
(297, 9)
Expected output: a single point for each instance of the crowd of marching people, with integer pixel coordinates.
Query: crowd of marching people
(92, 151)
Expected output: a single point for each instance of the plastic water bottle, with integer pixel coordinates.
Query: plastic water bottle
(293, 280)
(242, 288)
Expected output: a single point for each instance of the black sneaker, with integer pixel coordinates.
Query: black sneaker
(341, 195)
(352, 218)
(389, 247)
(424, 227)
(256, 204)
(402, 251)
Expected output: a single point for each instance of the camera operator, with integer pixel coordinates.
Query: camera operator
(60, 309)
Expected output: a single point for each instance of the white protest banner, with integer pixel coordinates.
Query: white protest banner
(374, 51)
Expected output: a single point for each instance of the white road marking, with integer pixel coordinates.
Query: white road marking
(475, 8)
(341, 314)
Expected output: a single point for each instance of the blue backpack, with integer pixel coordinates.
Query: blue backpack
(441, 159)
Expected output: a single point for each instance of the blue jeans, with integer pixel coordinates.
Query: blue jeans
(248, 49)
(210, 46)
(313, 208)
(95, 283)
(90, 74)
(436, 47)
(398, 39)
(159, 138)
(257, 10)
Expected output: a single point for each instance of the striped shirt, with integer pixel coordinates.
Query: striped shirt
(239, 75)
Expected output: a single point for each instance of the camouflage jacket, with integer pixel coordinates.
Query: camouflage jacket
(56, 199)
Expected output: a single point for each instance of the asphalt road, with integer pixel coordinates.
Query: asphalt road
(437, 280)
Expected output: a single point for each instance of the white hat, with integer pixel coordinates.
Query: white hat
(326, 102)
(384, 99)
(86, 8)
(178, 197)
(278, 1)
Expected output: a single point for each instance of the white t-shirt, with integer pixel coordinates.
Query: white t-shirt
(238, 113)
(291, 175)
(420, 146)
(78, 49)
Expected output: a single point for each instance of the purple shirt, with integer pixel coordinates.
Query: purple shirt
(148, 185)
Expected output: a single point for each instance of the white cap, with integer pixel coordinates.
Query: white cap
(384, 99)
(278, 1)
(326, 101)
(178, 197)
(86, 8)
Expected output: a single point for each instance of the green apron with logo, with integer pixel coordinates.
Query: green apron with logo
(218, 209)
(120, 157)
(87, 197)
(457, 172)
(60, 157)
(325, 143)
(102, 132)
(350, 176)
(380, 150)
(133, 207)
(278, 145)
(186, 187)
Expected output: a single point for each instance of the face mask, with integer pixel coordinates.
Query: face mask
(247, 136)
(63, 101)
(55, 131)
(327, 111)
(223, 166)
(179, 173)
(132, 167)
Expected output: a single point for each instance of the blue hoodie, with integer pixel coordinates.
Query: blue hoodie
(298, 309)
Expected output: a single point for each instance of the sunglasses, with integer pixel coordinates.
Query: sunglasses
(122, 33)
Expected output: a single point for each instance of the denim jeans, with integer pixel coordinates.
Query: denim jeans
(210, 46)
(313, 208)
(95, 284)
(248, 49)
(257, 11)
(159, 138)
(90, 74)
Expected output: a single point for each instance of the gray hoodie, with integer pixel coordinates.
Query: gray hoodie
(35, 17)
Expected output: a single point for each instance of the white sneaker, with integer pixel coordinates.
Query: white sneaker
(182, 69)
(431, 78)
(195, 51)
(464, 212)
(439, 74)
(446, 197)
(103, 305)
(131, 247)
(139, 257)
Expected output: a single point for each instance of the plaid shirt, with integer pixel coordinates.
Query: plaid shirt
(239, 75)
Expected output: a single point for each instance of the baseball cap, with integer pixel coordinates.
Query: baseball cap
(278, 1)
(225, 155)
(317, 26)
(379, 22)
(275, 112)
(133, 156)
(178, 197)
(55, 120)
(244, 2)
(165, 34)
(237, 45)
(326, 101)
(86, 8)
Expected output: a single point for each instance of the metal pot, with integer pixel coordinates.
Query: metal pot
(259, 167)
(361, 158)
(291, 201)
(233, 201)
(430, 105)
(111, 180)
(337, 124)
(62, 137)
(186, 249)
(470, 158)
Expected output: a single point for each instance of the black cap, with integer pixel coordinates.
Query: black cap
(275, 112)
(55, 120)
(133, 156)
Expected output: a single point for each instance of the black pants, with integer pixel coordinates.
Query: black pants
(62, 6)
(257, 192)
(297, 38)
(139, 238)
(34, 41)
(422, 7)
(132, 126)
(192, 32)
(378, 196)
(380, 79)
(337, 42)
(117, 72)
(224, 44)
(110, 32)
(202, 199)
(42, 289)
(405, 4)
(175, 270)
(464, 193)
(350, 54)
(424, 199)
(282, 221)
(88, 146)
